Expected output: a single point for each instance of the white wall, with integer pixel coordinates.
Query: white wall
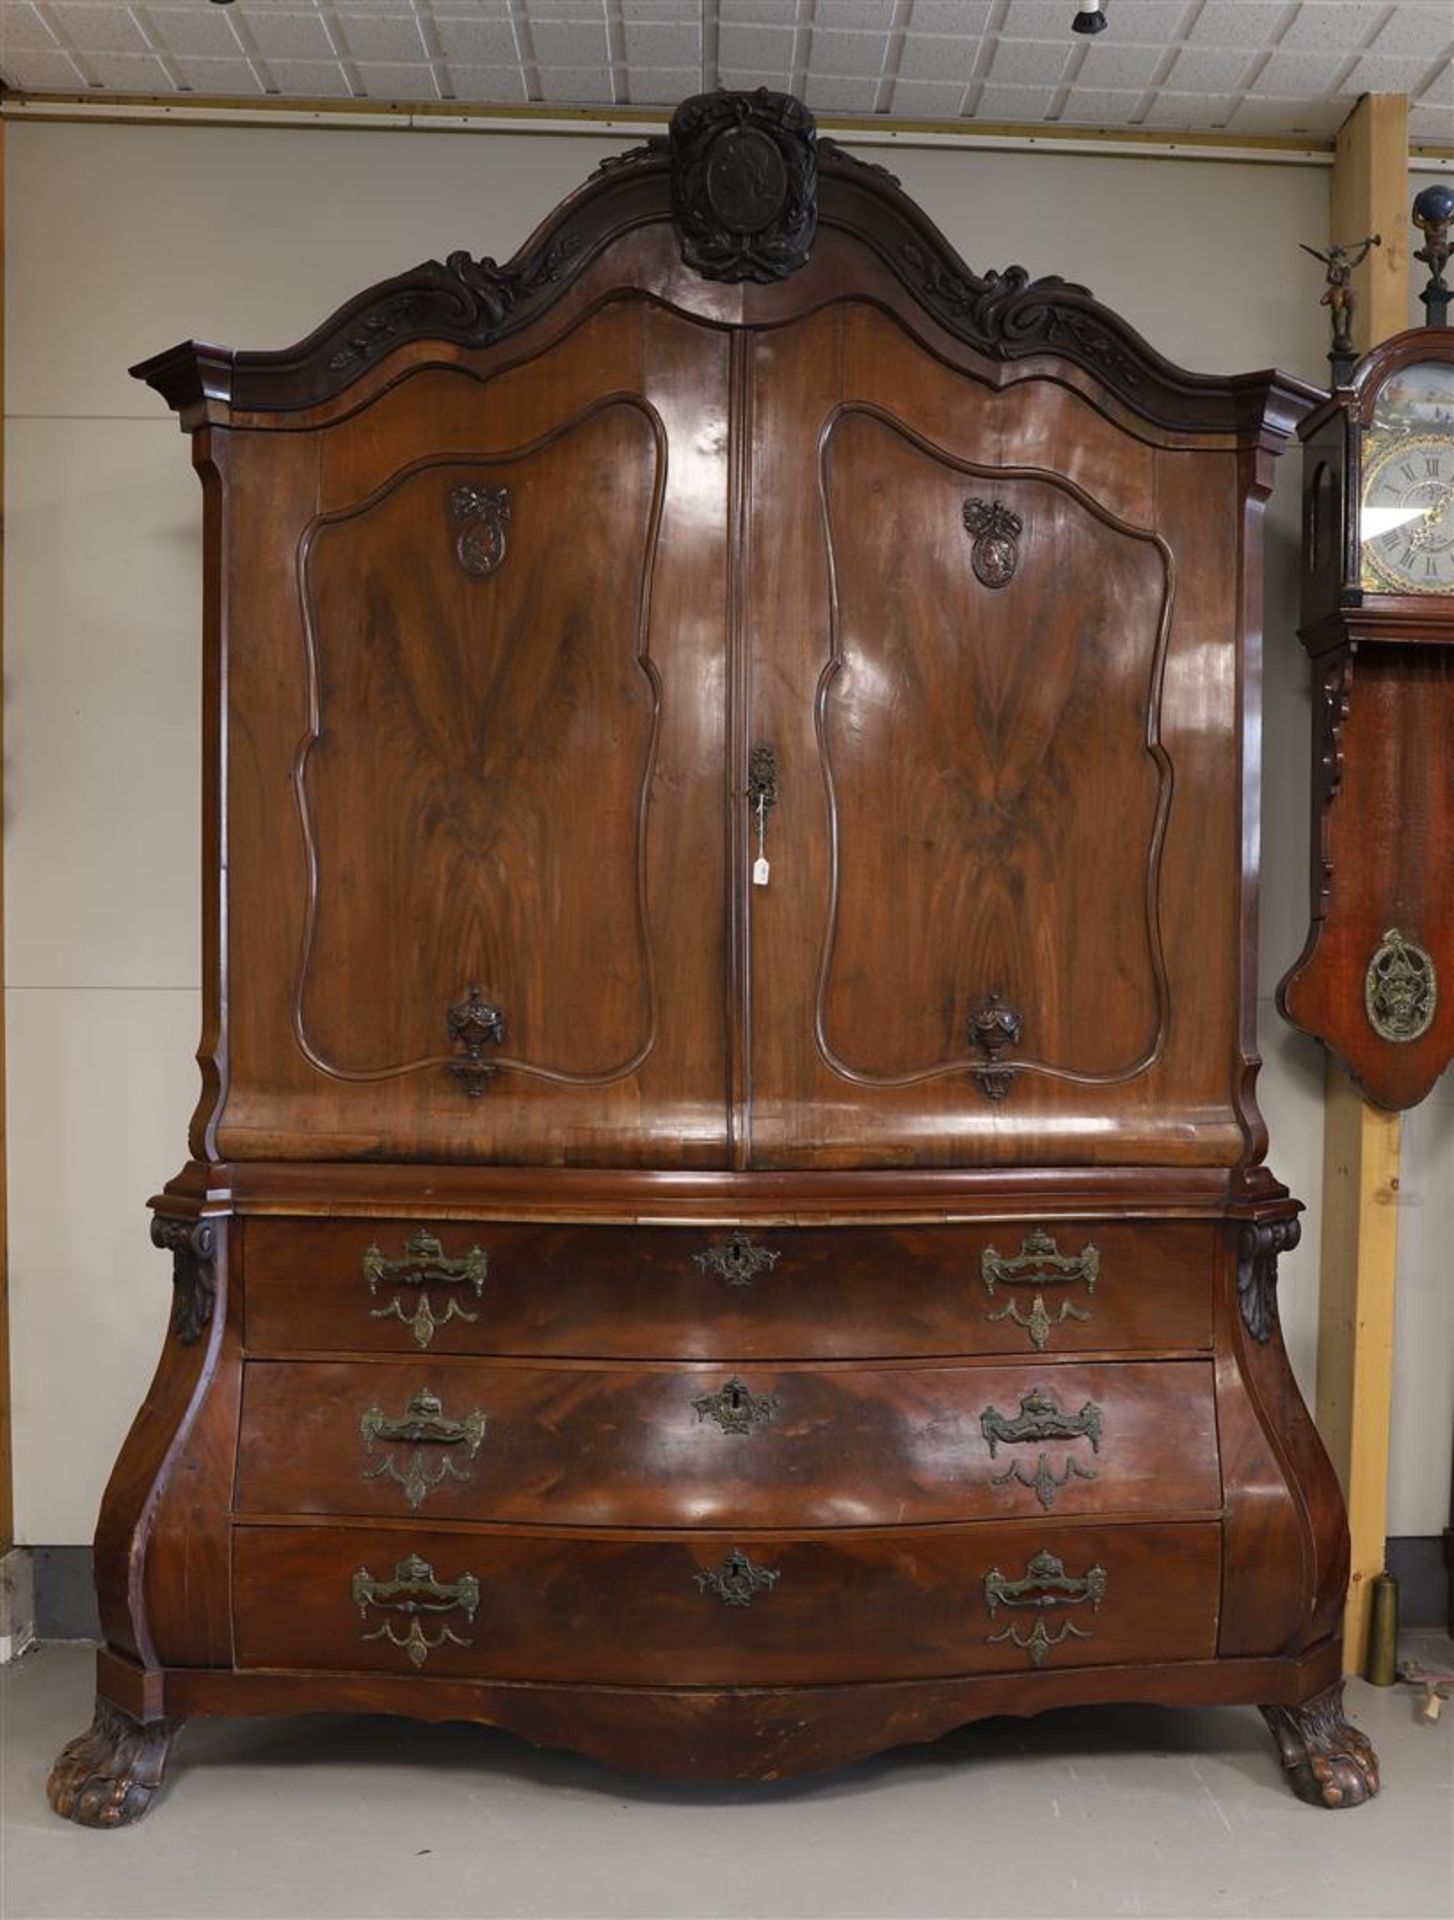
(125, 239)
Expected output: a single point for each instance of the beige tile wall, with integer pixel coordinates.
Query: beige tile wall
(124, 239)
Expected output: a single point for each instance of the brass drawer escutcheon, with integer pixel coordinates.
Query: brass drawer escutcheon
(735, 1407)
(424, 1265)
(1041, 1418)
(1040, 1264)
(738, 1259)
(414, 1591)
(423, 1424)
(738, 1579)
(1045, 1584)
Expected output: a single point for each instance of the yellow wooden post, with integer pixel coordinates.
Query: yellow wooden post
(1361, 1143)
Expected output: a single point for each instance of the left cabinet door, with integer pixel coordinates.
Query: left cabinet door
(473, 634)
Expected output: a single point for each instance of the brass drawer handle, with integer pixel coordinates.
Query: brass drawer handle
(735, 1407)
(738, 1259)
(1040, 1264)
(413, 1591)
(425, 1264)
(1045, 1584)
(421, 1425)
(1041, 1418)
(738, 1579)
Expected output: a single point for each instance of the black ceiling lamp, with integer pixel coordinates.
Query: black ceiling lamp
(1091, 18)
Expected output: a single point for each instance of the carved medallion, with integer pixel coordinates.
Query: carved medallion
(482, 514)
(1400, 989)
(744, 184)
(996, 551)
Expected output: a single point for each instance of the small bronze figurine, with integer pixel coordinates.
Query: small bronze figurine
(1340, 298)
(1433, 211)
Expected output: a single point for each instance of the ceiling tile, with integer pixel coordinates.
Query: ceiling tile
(1289, 74)
(1014, 103)
(22, 27)
(481, 43)
(566, 10)
(378, 36)
(1210, 69)
(92, 28)
(1202, 111)
(657, 44)
(1118, 67)
(570, 43)
(1153, 23)
(457, 9)
(766, 13)
(1385, 73)
(205, 31)
(38, 70)
(1418, 29)
(310, 79)
(766, 49)
(1100, 107)
(967, 17)
(858, 54)
(854, 15)
(203, 75)
(937, 57)
(580, 86)
(686, 10)
(1236, 23)
(290, 36)
(664, 86)
(1434, 124)
(396, 80)
(1320, 118)
(748, 78)
(836, 93)
(129, 72)
(928, 99)
(1041, 20)
(1020, 63)
(490, 86)
(1333, 26)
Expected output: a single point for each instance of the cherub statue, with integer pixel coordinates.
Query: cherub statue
(1339, 298)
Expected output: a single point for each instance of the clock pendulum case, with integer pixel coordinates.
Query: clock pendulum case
(1375, 980)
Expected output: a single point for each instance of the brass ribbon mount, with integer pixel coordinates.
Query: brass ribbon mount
(1045, 1584)
(1040, 1264)
(425, 1264)
(414, 1591)
(422, 1425)
(1041, 1418)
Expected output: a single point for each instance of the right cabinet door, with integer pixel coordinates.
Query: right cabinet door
(1000, 921)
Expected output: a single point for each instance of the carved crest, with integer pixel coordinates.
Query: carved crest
(1400, 989)
(744, 184)
(482, 514)
(996, 550)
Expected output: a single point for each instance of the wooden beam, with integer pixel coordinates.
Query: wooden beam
(7, 1492)
(1368, 194)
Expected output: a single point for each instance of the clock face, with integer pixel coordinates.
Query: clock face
(1406, 523)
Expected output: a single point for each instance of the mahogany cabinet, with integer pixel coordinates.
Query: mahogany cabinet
(726, 1224)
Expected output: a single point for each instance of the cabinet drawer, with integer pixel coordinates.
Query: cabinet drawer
(462, 1287)
(724, 1609)
(759, 1446)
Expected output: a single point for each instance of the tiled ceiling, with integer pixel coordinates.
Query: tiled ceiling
(1251, 67)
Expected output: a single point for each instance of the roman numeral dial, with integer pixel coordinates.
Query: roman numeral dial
(1407, 520)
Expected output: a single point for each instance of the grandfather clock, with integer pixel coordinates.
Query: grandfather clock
(1375, 980)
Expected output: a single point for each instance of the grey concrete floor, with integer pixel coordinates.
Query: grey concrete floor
(1082, 1813)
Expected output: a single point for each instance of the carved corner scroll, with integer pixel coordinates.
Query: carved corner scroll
(744, 184)
(192, 1244)
(482, 515)
(1258, 1246)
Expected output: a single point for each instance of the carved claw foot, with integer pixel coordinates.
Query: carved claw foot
(1328, 1762)
(107, 1776)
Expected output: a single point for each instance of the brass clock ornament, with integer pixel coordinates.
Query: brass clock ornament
(1378, 621)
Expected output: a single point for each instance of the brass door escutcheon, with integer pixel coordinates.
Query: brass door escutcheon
(1400, 989)
(1040, 1264)
(738, 1579)
(425, 1264)
(414, 1591)
(422, 1425)
(735, 1407)
(738, 1259)
(1045, 1584)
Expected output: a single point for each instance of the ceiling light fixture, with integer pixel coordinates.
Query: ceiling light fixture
(1091, 18)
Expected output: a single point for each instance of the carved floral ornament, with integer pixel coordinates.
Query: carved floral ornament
(744, 184)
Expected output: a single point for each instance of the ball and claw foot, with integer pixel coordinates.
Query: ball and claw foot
(107, 1776)
(1328, 1762)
